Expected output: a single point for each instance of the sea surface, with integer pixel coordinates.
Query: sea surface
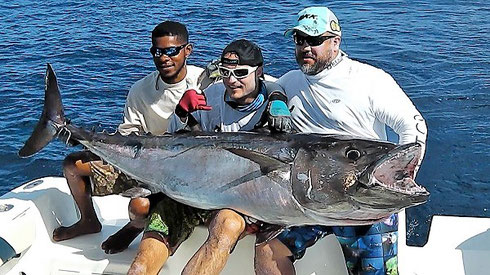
(438, 51)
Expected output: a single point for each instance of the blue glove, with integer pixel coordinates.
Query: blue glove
(278, 114)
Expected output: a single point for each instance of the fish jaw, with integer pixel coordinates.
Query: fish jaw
(392, 176)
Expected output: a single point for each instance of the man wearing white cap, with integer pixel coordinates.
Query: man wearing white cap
(333, 94)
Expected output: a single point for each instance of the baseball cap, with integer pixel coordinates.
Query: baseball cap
(248, 53)
(314, 21)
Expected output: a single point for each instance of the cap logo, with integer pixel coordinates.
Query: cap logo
(311, 29)
(334, 26)
(307, 16)
(230, 61)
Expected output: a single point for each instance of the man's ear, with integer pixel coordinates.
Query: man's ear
(337, 40)
(188, 50)
(260, 71)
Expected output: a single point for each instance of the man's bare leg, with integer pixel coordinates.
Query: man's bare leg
(77, 170)
(273, 258)
(224, 231)
(138, 209)
(152, 255)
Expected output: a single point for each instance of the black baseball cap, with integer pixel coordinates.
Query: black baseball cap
(248, 53)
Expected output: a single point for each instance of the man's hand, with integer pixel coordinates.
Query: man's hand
(210, 75)
(191, 101)
(278, 114)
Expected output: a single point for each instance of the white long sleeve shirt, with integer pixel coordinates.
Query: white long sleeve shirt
(352, 98)
(151, 102)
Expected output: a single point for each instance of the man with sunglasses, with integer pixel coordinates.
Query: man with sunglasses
(243, 101)
(334, 94)
(149, 106)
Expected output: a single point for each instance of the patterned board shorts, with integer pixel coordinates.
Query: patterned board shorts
(299, 238)
(370, 250)
(175, 221)
(107, 180)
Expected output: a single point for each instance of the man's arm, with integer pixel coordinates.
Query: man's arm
(191, 101)
(393, 107)
(131, 121)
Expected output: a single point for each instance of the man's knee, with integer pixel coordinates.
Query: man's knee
(139, 208)
(228, 222)
(273, 249)
(76, 164)
(69, 162)
(273, 257)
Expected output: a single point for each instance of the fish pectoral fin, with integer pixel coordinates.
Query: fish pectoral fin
(136, 192)
(266, 163)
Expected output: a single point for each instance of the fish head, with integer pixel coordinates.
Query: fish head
(358, 179)
(389, 182)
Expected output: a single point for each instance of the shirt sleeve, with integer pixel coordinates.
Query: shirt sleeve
(393, 107)
(176, 123)
(132, 118)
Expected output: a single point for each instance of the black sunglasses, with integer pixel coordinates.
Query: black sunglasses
(313, 41)
(170, 51)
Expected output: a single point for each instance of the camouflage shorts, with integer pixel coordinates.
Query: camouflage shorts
(107, 180)
(175, 221)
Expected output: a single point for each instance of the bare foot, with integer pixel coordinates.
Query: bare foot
(120, 240)
(64, 233)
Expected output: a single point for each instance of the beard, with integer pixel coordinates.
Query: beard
(315, 68)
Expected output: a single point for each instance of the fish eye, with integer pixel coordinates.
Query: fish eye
(353, 154)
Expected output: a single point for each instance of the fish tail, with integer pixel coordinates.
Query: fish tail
(52, 120)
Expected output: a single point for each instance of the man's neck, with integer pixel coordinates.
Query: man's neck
(249, 98)
(336, 60)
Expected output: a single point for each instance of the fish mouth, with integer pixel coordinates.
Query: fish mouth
(395, 171)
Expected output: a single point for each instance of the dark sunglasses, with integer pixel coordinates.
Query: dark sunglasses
(170, 51)
(313, 41)
(238, 73)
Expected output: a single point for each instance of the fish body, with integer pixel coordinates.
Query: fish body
(283, 179)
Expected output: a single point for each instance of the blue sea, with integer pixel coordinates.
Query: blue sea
(438, 51)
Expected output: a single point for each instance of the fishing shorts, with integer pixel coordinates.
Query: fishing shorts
(370, 249)
(107, 180)
(298, 238)
(175, 221)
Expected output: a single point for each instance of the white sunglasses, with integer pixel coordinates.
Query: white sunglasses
(238, 73)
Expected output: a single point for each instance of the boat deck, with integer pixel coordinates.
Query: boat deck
(456, 245)
(44, 204)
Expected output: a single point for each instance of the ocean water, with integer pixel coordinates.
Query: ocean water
(438, 51)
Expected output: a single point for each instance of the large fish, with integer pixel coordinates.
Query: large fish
(279, 179)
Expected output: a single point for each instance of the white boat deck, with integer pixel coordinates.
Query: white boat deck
(47, 203)
(457, 245)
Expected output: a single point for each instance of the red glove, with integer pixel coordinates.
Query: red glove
(191, 101)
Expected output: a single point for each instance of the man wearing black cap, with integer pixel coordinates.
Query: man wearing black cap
(241, 68)
(243, 101)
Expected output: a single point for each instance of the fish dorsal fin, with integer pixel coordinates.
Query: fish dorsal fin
(267, 163)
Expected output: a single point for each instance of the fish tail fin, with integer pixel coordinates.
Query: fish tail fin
(52, 118)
